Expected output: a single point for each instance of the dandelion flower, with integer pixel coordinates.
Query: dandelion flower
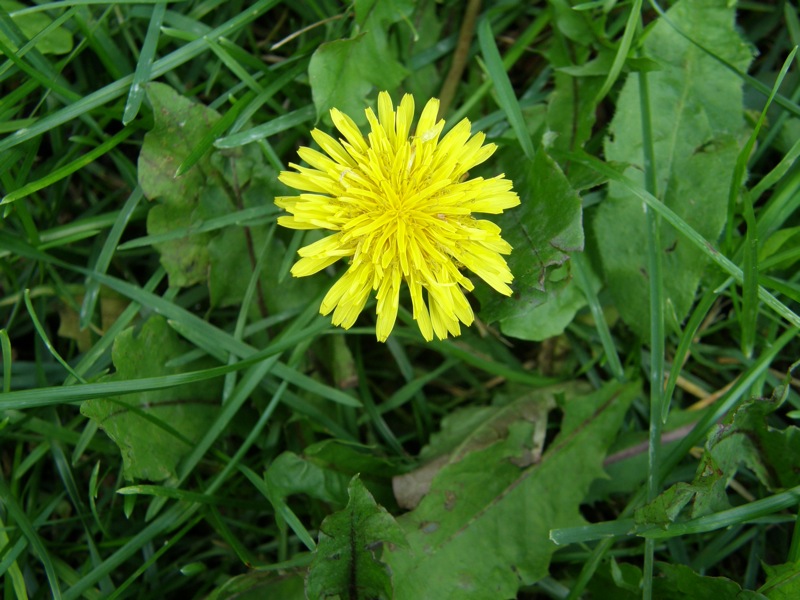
(400, 207)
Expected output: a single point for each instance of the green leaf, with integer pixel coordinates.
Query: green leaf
(783, 581)
(343, 72)
(543, 231)
(765, 445)
(504, 92)
(666, 507)
(474, 428)
(676, 582)
(679, 582)
(381, 12)
(743, 439)
(621, 581)
(483, 528)
(155, 429)
(571, 106)
(179, 125)
(221, 182)
(58, 41)
(696, 113)
(560, 303)
(345, 564)
(576, 25)
(324, 471)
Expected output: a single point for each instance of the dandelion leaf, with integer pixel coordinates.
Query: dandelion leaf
(58, 41)
(154, 429)
(544, 230)
(483, 529)
(424, 81)
(382, 12)
(324, 471)
(783, 581)
(696, 113)
(742, 440)
(476, 427)
(179, 125)
(620, 581)
(768, 452)
(220, 183)
(571, 106)
(345, 564)
(672, 582)
(678, 582)
(343, 72)
(571, 113)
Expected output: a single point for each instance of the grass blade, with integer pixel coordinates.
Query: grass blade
(5, 347)
(276, 125)
(657, 341)
(505, 93)
(103, 260)
(114, 90)
(582, 279)
(145, 64)
(631, 25)
(27, 528)
(70, 168)
(750, 249)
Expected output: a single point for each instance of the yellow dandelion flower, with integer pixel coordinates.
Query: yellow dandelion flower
(401, 208)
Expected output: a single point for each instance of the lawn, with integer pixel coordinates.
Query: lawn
(412, 299)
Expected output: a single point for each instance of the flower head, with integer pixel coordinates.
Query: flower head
(400, 207)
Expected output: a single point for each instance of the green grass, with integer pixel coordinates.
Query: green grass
(146, 304)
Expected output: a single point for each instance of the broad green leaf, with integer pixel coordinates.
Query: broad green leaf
(744, 439)
(576, 25)
(617, 581)
(343, 72)
(381, 12)
(179, 125)
(773, 452)
(571, 106)
(672, 582)
(562, 301)
(221, 182)
(474, 428)
(783, 581)
(154, 430)
(324, 471)
(483, 529)
(58, 41)
(666, 507)
(345, 563)
(543, 231)
(678, 582)
(696, 113)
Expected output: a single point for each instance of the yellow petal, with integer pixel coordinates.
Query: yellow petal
(402, 207)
